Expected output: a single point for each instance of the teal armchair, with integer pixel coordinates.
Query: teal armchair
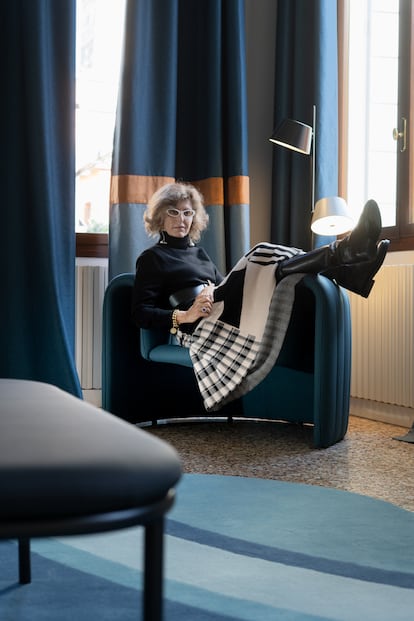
(146, 377)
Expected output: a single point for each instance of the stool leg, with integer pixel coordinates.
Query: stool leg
(24, 561)
(153, 572)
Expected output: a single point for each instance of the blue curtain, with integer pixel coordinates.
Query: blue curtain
(37, 238)
(181, 115)
(306, 74)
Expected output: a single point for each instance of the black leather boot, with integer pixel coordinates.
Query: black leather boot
(359, 277)
(358, 250)
(361, 243)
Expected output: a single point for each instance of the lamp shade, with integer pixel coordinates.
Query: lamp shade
(331, 217)
(293, 135)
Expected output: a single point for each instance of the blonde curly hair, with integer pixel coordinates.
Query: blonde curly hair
(170, 195)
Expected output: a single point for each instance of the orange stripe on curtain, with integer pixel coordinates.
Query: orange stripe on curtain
(238, 190)
(211, 189)
(213, 192)
(135, 188)
(139, 189)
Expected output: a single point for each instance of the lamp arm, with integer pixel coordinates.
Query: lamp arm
(313, 158)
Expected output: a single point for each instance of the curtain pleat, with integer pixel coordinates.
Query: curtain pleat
(37, 235)
(181, 116)
(306, 74)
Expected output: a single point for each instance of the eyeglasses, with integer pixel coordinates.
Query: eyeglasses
(175, 213)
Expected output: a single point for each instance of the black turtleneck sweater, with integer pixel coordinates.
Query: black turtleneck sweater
(169, 266)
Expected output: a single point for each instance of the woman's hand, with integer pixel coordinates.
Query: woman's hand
(201, 307)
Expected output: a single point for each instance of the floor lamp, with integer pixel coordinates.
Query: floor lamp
(330, 216)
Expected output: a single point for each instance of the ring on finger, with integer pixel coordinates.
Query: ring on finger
(204, 310)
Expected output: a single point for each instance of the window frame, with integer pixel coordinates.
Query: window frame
(402, 234)
(92, 245)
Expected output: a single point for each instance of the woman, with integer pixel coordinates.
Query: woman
(175, 278)
(174, 273)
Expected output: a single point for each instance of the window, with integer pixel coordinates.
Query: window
(99, 32)
(379, 144)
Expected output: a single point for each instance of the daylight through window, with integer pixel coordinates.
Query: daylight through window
(99, 32)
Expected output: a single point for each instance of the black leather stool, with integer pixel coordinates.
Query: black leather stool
(69, 468)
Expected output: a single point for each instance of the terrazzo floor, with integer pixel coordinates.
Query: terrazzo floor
(368, 461)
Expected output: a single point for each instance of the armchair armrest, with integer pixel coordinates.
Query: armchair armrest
(159, 346)
(152, 338)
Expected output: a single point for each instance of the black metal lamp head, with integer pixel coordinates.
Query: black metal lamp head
(293, 135)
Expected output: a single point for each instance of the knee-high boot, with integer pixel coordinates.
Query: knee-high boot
(352, 262)
(359, 277)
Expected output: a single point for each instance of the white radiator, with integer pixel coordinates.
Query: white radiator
(91, 282)
(382, 338)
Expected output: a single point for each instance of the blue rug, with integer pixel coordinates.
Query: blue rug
(237, 549)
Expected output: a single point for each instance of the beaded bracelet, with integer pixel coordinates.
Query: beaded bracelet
(175, 323)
